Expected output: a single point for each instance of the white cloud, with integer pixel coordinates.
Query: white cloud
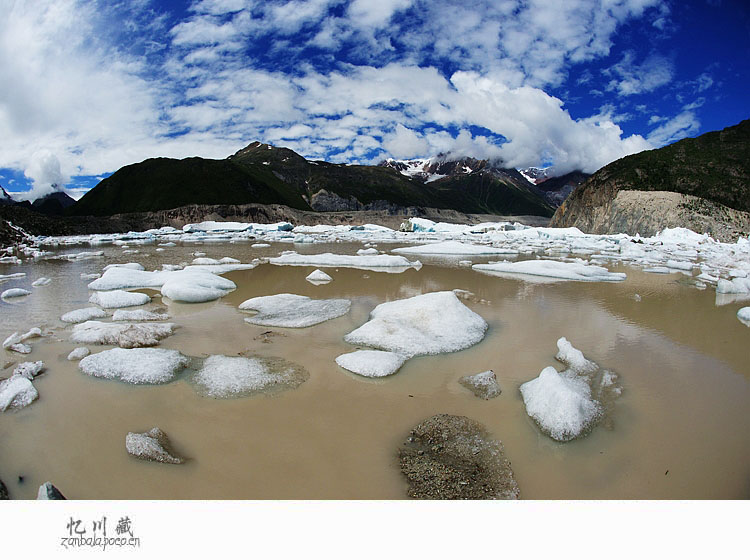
(681, 126)
(632, 79)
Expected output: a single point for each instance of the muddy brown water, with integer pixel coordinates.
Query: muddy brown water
(678, 431)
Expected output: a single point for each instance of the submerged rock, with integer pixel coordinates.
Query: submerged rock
(454, 458)
(484, 385)
(48, 491)
(223, 377)
(153, 445)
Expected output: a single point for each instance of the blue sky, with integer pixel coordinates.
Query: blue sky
(91, 86)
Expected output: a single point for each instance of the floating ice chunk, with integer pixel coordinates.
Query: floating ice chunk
(744, 315)
(210, 226)
(260, 245)
(734, 286)
(431, 323)
(465, 263)
(561, 405)
(92, 276)
(196, 287)
(78, 354)
(20, 348)
(135, 365)
(153, 445)
(224, 377)
(228, 260)
(370, 251)
(484, 385)
(553, 269)
(81, 315)
(138, 315)
(29, 370)
(574, 358)
(14, 293)
(48, 491)
(205, 260)
(130, 266)
(318, 277)
(291, 310)
(454, 248)
(120, 278)
(16, 392)
(43, 281)
(680, 265)
(385, 263)
(118, 298)
(124, 335)
(15, 341)
(371, 363)
(11, 276)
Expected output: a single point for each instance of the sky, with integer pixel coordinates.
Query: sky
(88, 87)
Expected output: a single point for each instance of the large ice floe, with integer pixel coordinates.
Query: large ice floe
(118, 298)
(294, 311)
(578, 271)
(432, 323)
(567, 404)
(376, 263)
(454, 248)
(135, 365)
(14, 293)
(371, 363)
(223, 377)
(193, 284)
(124, 335)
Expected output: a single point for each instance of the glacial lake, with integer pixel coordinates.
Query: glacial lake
(678, 431)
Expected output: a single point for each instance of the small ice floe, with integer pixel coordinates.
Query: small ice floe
(454, 248)
(371, 363)
(118, 298)
(384, 263)
(577, 271)
(14, 293)
(4, 277)
(465, 263)
(260, 245)
(48, 491)
(43, 281)
(129, 266)
(15, 342)
(484, 385)
(212, 226)
(744, 315)
(205, 261)
(293, 311)
(124, 335)
(196, 287)
(431, 323)
(318, 277)
(78, 354)
(138, 315)
(16, 392)
(91, 276)
(29, 370)
(153, 445)
(453, 457)
(658, 270)
(567, 404)
(223, 377)
(135, 365)
(81, 315)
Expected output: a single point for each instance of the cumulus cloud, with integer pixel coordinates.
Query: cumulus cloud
(346, 81)
(632, 79)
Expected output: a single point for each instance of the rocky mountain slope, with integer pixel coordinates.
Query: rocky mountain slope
(702, 183)
(264, 174)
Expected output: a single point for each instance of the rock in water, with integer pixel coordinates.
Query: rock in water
(453, 458)
(152, 446)
(484, 385)
(3, 491)
(47, 491)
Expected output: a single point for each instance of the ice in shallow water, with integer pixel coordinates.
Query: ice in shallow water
(223, 377)
(124, 335)
(553, 269)
(118, 298)
(371, 363)
(294, 311)
(135, 365)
